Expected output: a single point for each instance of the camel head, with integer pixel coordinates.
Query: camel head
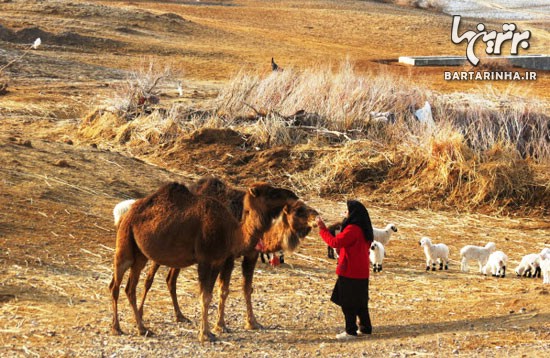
(299, 218)
(261, 204)
(267, 200)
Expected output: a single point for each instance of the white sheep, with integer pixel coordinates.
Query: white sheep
(121, 209)
(544, 264)
(472, 252)
(529, 266)
(496, 264)
(545, 269)
(383, 235)
(376, 256)
(435, 252)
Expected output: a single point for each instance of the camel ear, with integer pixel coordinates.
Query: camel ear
(253, 192)
(286, 209)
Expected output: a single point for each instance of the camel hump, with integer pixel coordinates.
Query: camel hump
(262, 189)
(175, 188)
(171, 192)
(168, 195)
(210, 186)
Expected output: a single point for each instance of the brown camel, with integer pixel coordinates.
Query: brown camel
(177, 228)
(292, 225)
(233, 200)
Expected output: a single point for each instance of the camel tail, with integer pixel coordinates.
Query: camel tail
(125, 241)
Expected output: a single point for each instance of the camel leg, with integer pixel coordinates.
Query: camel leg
(171, 281)
(248, 265)
(225, 277)
(122, 262)
(148, 282)
(133, 279)
(207, 279)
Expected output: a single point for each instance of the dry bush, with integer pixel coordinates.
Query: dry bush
(139, 91)
(343, 100)
(505, 117)
(154, 130)
(4, 79)
(344, 168)
(445, 169)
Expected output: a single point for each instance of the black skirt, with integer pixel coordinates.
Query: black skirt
(351, 292)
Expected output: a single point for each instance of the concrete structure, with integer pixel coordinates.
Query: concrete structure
(534, 62)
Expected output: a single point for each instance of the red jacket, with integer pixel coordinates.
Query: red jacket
(354, 251)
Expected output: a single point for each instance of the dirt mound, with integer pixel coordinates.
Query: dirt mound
(68, 38)
(116, 16)
(215, 135)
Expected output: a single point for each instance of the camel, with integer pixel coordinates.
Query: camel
(292, 224)
(213, 187)
(176, 228)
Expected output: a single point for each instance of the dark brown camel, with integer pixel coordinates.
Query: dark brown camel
(233, 200)
(292, 225)
(177, 228)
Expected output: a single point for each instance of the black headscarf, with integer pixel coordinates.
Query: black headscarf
(358, 215)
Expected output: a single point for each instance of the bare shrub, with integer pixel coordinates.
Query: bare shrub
(343, 99)
(139, 91)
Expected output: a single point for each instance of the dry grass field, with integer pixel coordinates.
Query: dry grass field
(66, 161)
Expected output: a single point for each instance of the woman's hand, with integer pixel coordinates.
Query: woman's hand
(320, 223)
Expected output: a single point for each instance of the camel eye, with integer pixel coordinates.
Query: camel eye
(301, 211)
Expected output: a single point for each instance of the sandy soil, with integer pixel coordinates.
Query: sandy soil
(57, 245)
(57, 191)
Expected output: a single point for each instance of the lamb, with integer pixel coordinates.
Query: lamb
(545, 265)
(529, 266)
(383, 235)
(334, 230)
(545, 269)
(121, 209)
(274, 259)
(376, 256)
(435, 252)
(380, 235)
(496, 264)
(472, 252)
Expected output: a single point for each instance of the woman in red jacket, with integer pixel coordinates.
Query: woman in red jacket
(351, 291)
